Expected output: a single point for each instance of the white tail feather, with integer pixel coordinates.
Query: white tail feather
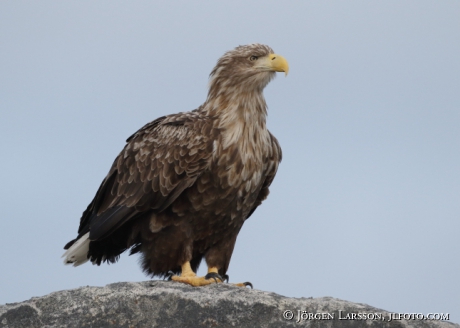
(78, 253)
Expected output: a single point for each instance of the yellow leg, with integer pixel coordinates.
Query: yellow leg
(189, 277)
(213, 270)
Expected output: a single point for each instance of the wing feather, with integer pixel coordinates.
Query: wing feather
(157, 164)
(272, 167)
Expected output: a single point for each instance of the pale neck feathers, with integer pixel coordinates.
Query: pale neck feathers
(241, 115)
(236, 99)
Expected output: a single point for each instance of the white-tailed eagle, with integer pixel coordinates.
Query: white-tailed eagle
(184, 184)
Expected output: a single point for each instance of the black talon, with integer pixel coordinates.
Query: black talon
(215, 276)
(226, 278)
(247, 283)
(169, 276)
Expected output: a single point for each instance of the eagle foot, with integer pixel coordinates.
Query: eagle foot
(190, 278)
(197, 281)
(215, 276)
(244, 284)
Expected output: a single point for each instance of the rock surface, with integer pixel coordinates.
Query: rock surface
(172, 304)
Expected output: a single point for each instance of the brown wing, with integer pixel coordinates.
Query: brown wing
(157, 164)
(273, 161)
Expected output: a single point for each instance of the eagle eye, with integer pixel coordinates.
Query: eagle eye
(252, 58)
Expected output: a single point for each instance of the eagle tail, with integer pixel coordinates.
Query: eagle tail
(77, 254)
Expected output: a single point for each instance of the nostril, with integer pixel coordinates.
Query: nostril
(273, 58)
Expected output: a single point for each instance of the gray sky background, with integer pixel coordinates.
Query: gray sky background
(365, 206)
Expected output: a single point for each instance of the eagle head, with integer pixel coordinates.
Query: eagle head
(249, 67)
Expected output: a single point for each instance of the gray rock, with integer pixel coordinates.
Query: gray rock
(172, 304)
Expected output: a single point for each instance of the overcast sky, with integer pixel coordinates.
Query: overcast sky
(365, 206)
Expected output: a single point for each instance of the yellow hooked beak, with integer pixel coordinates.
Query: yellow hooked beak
(274, 62)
